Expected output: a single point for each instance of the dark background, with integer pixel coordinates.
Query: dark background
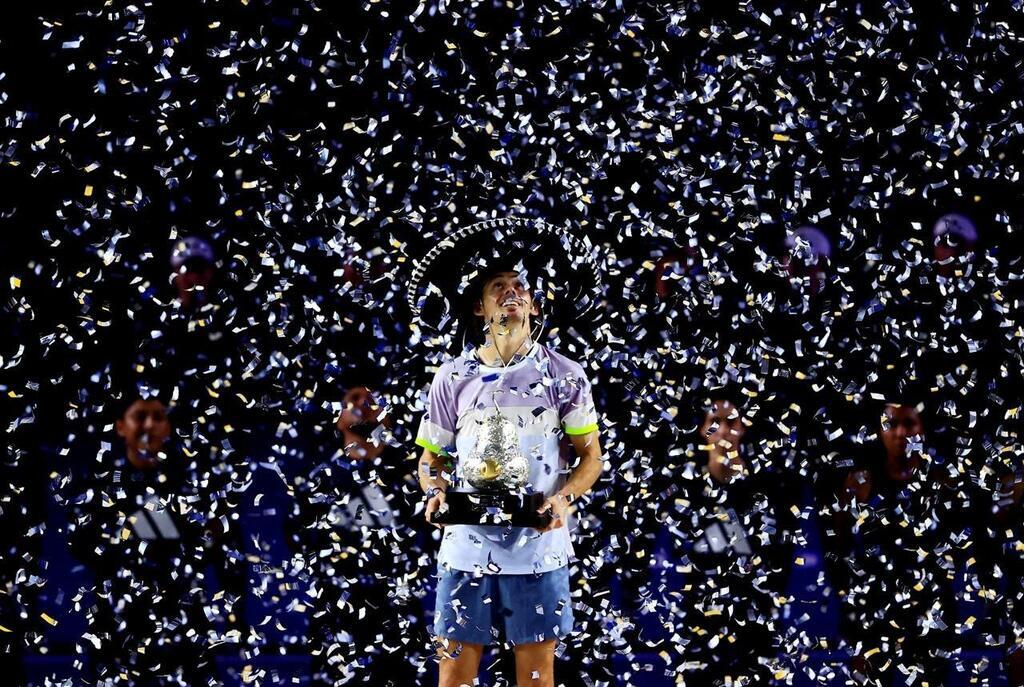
(322, 148)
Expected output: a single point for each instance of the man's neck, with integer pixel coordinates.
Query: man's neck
(500, 348)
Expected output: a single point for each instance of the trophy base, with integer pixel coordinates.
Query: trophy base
(494, 510)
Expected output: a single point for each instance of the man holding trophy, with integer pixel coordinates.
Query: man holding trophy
(502, 423)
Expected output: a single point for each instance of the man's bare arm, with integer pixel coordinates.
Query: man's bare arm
(583, 477)
(430, 472)
(433, 483)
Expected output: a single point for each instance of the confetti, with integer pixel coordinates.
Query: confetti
(812, 214)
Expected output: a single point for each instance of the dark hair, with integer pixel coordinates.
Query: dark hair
(120, 404)
(196, 263)
(126, 392)
(700, 403)
(912, 393)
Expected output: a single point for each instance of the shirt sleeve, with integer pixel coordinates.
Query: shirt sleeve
(437, 426)
(576, 410)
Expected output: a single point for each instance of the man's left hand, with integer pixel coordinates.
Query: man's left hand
(559, 507)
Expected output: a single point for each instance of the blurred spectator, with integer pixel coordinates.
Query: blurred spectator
(954, 239)
(901, 424)
(674, 266)
(363, 273)
(957, 336)
(192, 262)
(189, 335)
(361, 425)
(889, 556)
(198, 340)
(144, 427)
(141, 525)
(1009, 531)
(806, 260)
(993, 580)
(943, 328)
(733, 530)
(352, 526)
(811, 354)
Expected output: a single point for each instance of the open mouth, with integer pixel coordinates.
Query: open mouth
(510, 302)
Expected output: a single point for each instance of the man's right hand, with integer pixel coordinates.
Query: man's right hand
(436, 503)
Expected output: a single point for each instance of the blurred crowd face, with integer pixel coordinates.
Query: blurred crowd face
(144, 428)
(858, 484)
(812, 275)
(722, 431)
(899, 424)
(506, 300)
(192, 281)
(950, 252)
(670, 270)
(955, 236)
(807, 260)
(359, 419)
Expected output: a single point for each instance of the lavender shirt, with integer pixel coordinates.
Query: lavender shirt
(546, 396)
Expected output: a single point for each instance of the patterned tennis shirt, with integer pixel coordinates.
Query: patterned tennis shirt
(547, 396)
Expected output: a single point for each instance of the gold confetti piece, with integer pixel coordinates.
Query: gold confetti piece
(88, 190)
(48, 619)
(15, 282)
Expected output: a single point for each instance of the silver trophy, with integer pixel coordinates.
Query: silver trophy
(499, 472)
(496, 464)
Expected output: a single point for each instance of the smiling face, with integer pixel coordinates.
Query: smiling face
(144, 428)
(505, 300)
(899, 424)
(722, 432)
